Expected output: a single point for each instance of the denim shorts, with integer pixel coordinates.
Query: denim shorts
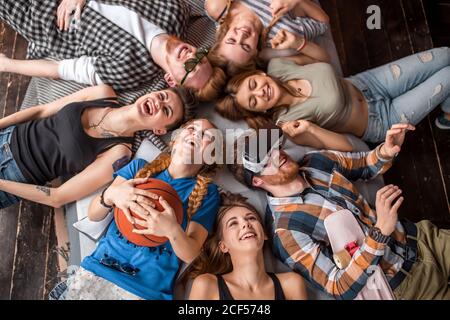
(8, 167)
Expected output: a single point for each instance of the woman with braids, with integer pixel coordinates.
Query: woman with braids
(87, 135)
(248, 27)
(231, 266)
(119, 269)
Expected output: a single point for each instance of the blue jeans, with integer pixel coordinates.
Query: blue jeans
(8, 168)
(405, 91)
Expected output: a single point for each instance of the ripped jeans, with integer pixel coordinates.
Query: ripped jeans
(405, 91)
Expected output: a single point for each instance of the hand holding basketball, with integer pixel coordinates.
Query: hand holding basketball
(157, 223)
(126, 197)
(160, 217)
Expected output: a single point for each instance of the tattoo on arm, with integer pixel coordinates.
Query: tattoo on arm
(44, 189)
(107, 134)
(120, 162)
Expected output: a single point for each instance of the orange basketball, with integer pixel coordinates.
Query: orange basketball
(159, 188)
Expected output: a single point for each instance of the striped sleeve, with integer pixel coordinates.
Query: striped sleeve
(314, 261)
(311, 27)
(353, 165)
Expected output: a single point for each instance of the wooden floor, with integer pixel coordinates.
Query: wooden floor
(28, 259)
(422, 169)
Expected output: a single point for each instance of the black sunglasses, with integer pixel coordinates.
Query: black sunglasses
(190, 64)
(122, 267)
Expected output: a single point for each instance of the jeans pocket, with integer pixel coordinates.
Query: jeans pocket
(6, 157)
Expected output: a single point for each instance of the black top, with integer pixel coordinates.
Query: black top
(45, 149)
(225, 294)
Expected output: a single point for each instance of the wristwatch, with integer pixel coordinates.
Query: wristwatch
(375, 234)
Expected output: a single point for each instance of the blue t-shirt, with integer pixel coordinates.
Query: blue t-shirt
(158, 266)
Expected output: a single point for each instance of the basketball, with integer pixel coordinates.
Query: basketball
(159, 188)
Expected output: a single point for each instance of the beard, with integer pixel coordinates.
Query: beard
(284, 176)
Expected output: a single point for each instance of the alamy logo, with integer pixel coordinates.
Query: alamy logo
(374, 20)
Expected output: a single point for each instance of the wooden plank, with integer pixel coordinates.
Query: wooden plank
(377, 54)
(352, 21)
(32, 251)
(416, 172)
(417, 24)
(399, 42)
(8, 231)
(8, 216)
(330, 8)
(52, 265)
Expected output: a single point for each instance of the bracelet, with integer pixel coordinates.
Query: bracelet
(300, 48)
(102, 200)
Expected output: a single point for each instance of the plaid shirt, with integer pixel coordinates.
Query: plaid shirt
(121, 60)
(297, 223)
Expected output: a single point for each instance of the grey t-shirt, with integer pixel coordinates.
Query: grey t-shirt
(329, 104)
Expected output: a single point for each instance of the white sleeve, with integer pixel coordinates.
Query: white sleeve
(80, 69)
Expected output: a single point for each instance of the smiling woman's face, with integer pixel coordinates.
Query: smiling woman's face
(192, 141)
(242, 231)
(258, 93)
(240, 43)
(159, 110)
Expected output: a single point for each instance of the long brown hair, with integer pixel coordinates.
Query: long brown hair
(204, 176)
(212, 259)
(230, 67)
(229, 107)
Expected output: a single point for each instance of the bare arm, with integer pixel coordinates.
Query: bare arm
(308, 51)
(204, 287)
(87, 181)
(305, 133)
(186, 245)
(123, 194)
(46, 110)
(311, 9)
(293, 286)
(300, 8)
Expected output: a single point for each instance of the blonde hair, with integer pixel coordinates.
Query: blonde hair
(204, 177)
(212, 259)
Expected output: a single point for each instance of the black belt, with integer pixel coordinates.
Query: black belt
(411, 254)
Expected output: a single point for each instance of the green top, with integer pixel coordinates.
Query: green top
(329, 104)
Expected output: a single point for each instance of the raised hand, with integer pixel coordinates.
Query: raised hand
(286, 40)
(386, 208)
(281, 7)
(65, 9)
(296, 127)
(394, 139)
(126, 197)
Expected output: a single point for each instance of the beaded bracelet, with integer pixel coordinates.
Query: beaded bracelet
(102, 200)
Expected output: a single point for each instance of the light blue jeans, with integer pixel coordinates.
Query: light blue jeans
(405, 91)
(8, 167)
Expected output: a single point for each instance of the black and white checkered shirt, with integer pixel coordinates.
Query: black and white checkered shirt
(121, 60)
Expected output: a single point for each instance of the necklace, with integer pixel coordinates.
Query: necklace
(104, 133)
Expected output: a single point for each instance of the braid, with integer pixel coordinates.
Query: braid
(200, 190)
(161, 163)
